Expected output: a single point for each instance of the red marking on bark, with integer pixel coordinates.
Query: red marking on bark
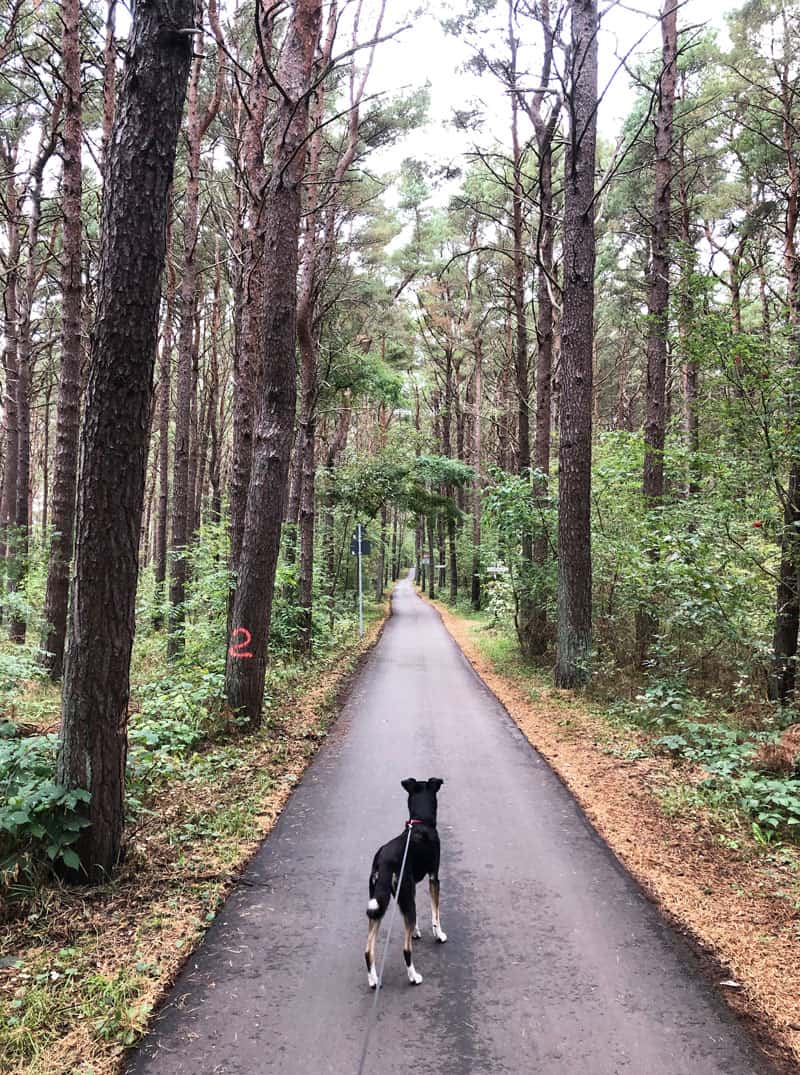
(238, 649)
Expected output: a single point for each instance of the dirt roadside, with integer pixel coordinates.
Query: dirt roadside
(739, 908)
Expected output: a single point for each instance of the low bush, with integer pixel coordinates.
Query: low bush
(36, 814)
(728, 758)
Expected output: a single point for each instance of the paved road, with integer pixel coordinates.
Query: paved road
(555, 962)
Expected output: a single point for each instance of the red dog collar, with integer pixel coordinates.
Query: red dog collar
(413, 821)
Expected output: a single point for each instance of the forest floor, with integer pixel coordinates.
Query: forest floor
(736, 900)
(81, 970)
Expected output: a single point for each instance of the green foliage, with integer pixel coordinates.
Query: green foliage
(37, 815)
(725, 756)
(511, 509)
(698, 561)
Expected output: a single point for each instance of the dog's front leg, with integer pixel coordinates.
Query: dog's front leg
(369, 954)
(410, 919)
(438, 932)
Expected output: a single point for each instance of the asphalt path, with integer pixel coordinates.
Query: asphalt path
(555, 961)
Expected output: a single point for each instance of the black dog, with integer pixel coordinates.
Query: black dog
(422, 859)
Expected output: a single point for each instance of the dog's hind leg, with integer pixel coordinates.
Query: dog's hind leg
(369, 953)
(410, 918)
(438, 932)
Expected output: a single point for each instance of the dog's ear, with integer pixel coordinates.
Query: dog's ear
(435, 783)
(409, 784)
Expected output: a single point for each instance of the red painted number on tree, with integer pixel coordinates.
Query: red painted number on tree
(239, 649)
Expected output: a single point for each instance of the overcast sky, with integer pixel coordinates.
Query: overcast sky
(425, 54)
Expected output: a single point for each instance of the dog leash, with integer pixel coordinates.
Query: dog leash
(374, 1010)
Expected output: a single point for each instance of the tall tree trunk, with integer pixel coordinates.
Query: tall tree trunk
(164, 379)
(539, 632)
(48, 392)
(183, 373)
(93, 738)
(11, 369)
(252, 606)
(431, 561)
(69, 386)
(783, 671)
(525, 604)
(476, 463)
(249, 354)
(305, 575)
(658, 301)
(575, 449)
(689, 369)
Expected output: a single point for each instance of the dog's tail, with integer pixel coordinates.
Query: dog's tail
(380, 890)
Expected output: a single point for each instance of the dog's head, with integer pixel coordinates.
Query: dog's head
(422, 798)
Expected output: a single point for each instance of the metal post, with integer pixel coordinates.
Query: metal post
(360, 588)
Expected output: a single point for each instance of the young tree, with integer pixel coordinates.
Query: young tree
(93, 737)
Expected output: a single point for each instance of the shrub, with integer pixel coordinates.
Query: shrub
(36, 814)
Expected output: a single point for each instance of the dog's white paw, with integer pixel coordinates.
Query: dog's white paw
(417, 933)
(438, 933)
(413, 976)
(372, 978)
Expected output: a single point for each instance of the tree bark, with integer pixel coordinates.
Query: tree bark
(658, 301)
(252, 606)
(575, 450)
(248, 357)
(93, 738)
(783, 671)
(10, 367)
(164, 379)
(69, 380)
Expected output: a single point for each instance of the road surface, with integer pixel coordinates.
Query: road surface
(555, 962)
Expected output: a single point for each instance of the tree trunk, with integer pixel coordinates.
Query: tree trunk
(252, 606)
(305, 575)
(475, 594)
(48, 391)
(183, 373)
(93, 738)
(248, 357)
(11, 371)
(164, 379)
(431, 561)
(69, 380)
(545, 128)
(658, 302)
(783, 673)
(575, 450)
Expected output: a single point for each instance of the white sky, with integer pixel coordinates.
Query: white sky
(425, 53)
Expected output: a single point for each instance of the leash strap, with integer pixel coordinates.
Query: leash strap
(374, 1010)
